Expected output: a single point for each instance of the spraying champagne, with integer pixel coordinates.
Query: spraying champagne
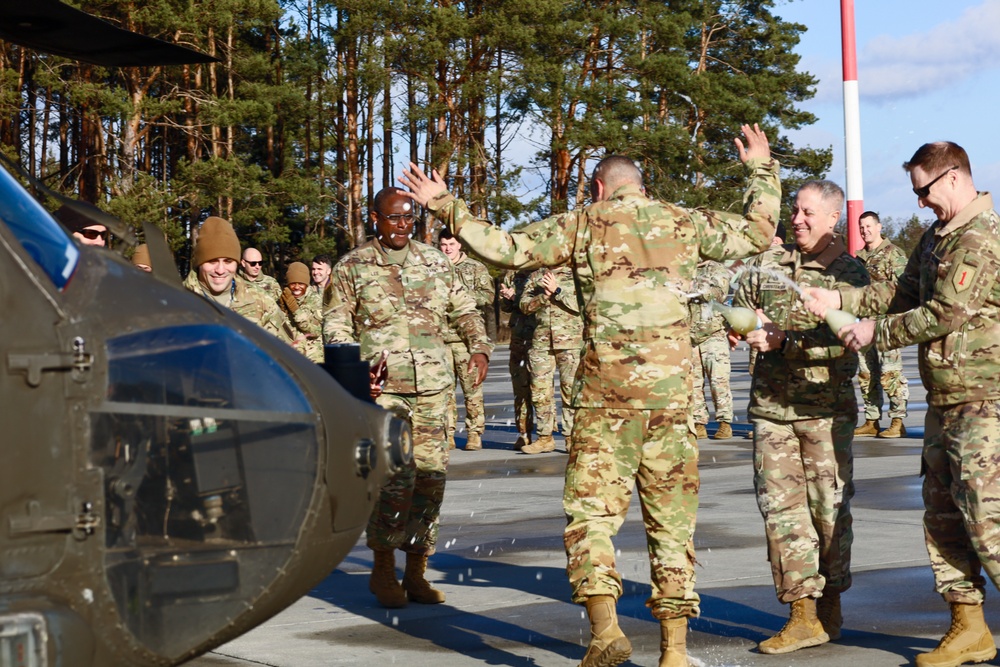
(742, 320)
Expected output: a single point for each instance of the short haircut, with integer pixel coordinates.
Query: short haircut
(939, 156)
(617, 170)
(384, 195)
(870, 214)
(829, 191)
(445, 234)
(322, 258)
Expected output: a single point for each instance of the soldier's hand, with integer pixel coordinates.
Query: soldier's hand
(768, 337)
(733, 338)
(756, 146)
(289, 301)
(858, 335)
(507, 292)
(479, 364)
(817, 300)
(549, 283)
(423, 188)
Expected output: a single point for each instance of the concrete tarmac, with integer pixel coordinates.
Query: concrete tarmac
(502, 566)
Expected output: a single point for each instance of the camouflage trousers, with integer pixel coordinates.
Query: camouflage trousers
(520, 379)
(961, 469)
(406, 514)
(475, 421)
(711, 359)
(614, 450)
(878, 371)
(542, 363)
(804, 478)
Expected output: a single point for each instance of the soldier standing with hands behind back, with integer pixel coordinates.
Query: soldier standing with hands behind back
(633, 259)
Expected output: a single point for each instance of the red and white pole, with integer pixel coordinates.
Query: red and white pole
(852, 127)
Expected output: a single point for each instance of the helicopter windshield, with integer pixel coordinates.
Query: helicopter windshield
(42, 237)
(209, 449)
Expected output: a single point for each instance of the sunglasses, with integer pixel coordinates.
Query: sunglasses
(93, 234)
(922, 192)
(253, 263)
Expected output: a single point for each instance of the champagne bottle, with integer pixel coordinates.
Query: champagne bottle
(838, 319)
(742, 320)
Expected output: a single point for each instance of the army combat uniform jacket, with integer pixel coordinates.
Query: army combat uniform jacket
(307, 321)
(251, 304)
(265, 284)
(711, 283)
(948, 302)
(405, 309)
(558, 325)
(810, 377)
(634, 259)
(886, 262)
(477, 281)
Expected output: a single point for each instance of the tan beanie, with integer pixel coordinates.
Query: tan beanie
(216, 239)
(141, 255)
(297, 273)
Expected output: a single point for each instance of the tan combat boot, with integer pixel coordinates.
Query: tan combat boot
(967, 640)
(474, 442)
(545, 443)
(829, 614)
(749, 434)
(802, 630)
(700, 432)
(608, 644)
(870, 427)
(724, 431)
(895, 430)
(523, 440)
(383, 582)
(673, 642)
(416, 586)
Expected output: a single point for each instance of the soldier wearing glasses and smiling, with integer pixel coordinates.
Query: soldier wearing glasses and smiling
(948, 302)
(398, 295)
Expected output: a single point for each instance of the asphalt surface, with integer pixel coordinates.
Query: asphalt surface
(502, 566)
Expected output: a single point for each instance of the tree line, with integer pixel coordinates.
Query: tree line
(313, 106)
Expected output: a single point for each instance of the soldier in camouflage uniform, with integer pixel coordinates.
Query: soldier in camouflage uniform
(476, 280)
(522, 330)
(214, 277)
(803, 408)
(254, 276)
(633, 260)
(397, 295)
(304, 310)
(551, 297)
(881, 370)
(710, 349)
(948, 302)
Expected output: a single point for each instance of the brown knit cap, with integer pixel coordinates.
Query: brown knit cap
(216, 239)
(141, 255)
(297, 273)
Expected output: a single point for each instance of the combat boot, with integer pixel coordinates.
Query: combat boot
(700, 432)
(523, 440)
(749, 434)
(545, 443)
(967, 640)
(383, 582)
(829, 614)
(416, 586)
(802, 630)
(608, 644)
(474, 442)
(673, 642)
(870, 427)
(895, 430)
(724, 431)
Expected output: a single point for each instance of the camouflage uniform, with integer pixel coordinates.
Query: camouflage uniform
(557, 342)
(803, 408)
(249, 303)
(265, 284)
(522, 329)
(948, 301)
(308, 323)
(406, 309)
(476, 280)
(709, 345)
(633, 260)
(879, 370)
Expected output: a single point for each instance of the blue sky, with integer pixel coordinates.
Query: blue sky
(927, 71)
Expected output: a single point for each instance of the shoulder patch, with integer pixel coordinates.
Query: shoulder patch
(962, 276)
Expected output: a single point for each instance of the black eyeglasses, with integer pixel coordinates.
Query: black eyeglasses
(253, 263)
(922, 192)
(94, 234)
